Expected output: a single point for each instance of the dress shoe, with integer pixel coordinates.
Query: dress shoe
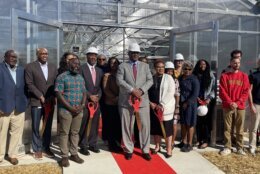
(94, 149)
(84, 151)
(180, 145)
(48, 154)
(13, 161)
(146, 156)
(128, 156)
(64, 162)
(37, 155)
(76, 159)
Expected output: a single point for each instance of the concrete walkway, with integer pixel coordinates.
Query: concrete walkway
(103, 162)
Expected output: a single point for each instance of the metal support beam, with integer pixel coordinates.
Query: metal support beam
(193, 28)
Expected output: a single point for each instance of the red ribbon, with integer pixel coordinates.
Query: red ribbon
(159, 113)
(135, 103)
(202, 102)
(92, 107)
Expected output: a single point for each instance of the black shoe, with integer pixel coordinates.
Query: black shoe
(167, 155)
(185, 148)
(180, 145)
(146, 156)
(189, 147)
(48, 153)
(94, 149)
(128, 156)
(84, 151)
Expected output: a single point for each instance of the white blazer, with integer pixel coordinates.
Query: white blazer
(167, 100)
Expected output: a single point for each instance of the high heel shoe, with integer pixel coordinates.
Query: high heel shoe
(168, 155)
(154, 152)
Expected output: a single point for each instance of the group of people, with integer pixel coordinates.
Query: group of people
(123, 94)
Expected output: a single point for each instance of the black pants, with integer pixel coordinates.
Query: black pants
(93, 136)
(114, 130)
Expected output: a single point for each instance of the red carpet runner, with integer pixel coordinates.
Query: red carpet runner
(138, 165)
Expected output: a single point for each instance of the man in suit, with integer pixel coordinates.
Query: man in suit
(40, 77)
(13, 103)
(134, 79)
(93, 77)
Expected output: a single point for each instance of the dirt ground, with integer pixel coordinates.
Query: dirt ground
(234, 163)
(44, 168)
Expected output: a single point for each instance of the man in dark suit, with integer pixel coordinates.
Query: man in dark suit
(134, 78)
(13, 103)
(93, 77)
(40, 77)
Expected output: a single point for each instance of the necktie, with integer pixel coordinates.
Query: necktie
(134, 70)
(93, 74)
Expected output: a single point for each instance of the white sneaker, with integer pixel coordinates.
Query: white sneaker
(225, 151)
(241, 152)
(252, 151)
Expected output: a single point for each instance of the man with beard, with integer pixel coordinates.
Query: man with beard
(71, 95)
(234, 90)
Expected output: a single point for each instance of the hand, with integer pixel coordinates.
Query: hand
(153, 105)
(185, 105)
(79, 108)
(73, 111)
(177, 111)
(94, 98)
(252, 108)
(42, 99)
(158, 106)
(1, 113)
(233, 105)
(137, 93)
(207, 101)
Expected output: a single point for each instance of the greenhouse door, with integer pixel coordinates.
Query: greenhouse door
(30, 32)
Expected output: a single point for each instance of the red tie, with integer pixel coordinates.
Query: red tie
(134, 70)
(93, 74)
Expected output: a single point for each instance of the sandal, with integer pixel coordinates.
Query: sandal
(154, 151)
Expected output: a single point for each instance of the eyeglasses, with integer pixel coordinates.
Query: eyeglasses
(101, 59)
(187, 69)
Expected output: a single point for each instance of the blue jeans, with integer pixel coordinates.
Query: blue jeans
(40, 143)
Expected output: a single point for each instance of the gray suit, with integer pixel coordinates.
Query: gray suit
(126, 83)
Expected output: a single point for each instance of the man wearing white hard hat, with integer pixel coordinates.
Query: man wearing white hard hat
(92, 76)
(134, 79)
(178, 61)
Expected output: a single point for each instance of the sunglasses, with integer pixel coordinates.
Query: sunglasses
(187, 69)
(102, 59)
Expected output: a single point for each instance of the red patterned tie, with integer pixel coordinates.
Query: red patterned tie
(134, 70)
(93, 74)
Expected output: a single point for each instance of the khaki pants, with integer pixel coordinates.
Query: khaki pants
(69, 132)
(12, 125)
(239, 118)
(254, 123)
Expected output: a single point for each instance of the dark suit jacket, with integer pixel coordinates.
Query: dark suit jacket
(36, 83)
(12, 96)
(90, 87)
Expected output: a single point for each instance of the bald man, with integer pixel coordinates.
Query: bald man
(40, 77)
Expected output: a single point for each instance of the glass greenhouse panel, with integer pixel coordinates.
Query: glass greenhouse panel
(36, 36)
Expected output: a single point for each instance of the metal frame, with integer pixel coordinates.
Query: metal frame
(18, 14)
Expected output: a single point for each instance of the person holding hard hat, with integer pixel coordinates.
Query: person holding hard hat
(93, 77)
(169, 69)
(206, 96)
(134, 78)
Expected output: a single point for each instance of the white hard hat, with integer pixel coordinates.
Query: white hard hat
(179, 56)
(202, 110)
(134, 47)
(169, 65)
(92, 50)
